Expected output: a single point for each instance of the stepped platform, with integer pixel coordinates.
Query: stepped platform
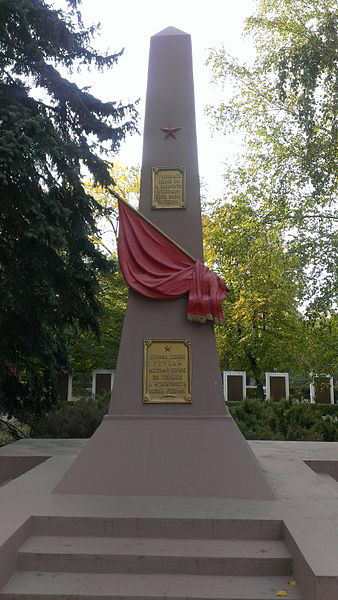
(88, 586)
(136, 548)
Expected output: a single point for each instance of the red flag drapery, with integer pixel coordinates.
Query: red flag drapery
(155, 267)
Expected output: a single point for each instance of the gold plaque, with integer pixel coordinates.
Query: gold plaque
(167, 371)
(168, 185)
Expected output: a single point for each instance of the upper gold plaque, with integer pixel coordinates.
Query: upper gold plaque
(169, 187)
(167, 371)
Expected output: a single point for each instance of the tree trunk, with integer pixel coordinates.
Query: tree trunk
(257, 376)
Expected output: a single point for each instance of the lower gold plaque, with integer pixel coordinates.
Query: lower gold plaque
(167, 372)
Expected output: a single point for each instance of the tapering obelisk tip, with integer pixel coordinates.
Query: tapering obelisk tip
(170, 31)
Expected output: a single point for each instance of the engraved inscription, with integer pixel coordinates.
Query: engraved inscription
(167, 371)
(168, 184)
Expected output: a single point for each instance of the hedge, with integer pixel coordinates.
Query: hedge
(286, 420)
(258, 420)
(78, 419)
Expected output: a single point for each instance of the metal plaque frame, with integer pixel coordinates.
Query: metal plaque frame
(153, 398)
(154, 171)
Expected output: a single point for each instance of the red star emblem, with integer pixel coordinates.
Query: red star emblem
(170, 131)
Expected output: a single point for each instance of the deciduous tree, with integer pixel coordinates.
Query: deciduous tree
(284, 110)
(263, 328)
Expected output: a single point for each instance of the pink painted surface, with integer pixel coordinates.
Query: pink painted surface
(170, 456)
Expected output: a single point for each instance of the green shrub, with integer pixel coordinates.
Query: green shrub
(251, 393)
(286, 420)
(300, 392)
(77, 419)
(257, 420)
(11, 431)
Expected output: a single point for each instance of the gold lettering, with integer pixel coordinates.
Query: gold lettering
(168, 187)
(167, 371)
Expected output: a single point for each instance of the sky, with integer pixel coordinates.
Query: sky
(130, 24)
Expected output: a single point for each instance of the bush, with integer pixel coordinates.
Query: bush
(251, 393)
(77, 419)
(300, 392)
(11, 431)
(286, 420)
(257, 420)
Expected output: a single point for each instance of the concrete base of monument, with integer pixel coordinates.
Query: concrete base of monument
(167, 456)
(87, 546)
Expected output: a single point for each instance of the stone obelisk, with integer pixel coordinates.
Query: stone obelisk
(166, 448)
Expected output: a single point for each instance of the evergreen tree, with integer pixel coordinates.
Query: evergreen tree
(49, 130)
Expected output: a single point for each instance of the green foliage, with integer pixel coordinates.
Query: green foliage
(273, 237)
(283, 420)
(286, 420)
(127, 181)
(263, 330)
(49, 129)
(298, 40)
(86, 351)
(321, 337)
(300, 392)
(284, 108)
(11, 431)
(77, 419)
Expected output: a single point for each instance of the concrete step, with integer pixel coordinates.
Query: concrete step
(35, 585)
(146, 555)
(245, 529)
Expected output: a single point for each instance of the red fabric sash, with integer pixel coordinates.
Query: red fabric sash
(156, 268)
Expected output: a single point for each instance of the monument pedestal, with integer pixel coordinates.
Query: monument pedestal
(167, 456)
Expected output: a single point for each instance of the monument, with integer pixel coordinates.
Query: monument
(167, 499)
(168, 431)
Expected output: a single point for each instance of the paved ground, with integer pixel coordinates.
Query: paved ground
(307, 501)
